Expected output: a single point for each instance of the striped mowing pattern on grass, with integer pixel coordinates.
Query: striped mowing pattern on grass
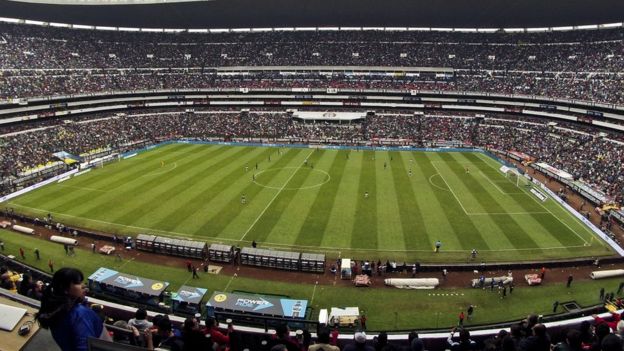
(314, 200)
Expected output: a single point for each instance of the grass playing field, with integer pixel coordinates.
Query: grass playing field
(315, 200)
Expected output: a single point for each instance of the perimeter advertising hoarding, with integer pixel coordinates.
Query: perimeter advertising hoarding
(257, 304)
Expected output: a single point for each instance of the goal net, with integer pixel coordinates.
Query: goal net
(514, 176)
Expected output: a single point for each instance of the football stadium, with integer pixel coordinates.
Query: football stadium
(236, 175)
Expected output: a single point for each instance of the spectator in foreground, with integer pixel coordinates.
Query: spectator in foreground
(539, 341)
(322, 342)
(165, 339)
(63, 312)
(194, 339)
(464, 343)
(572, 342)
(212, 329)
(282, 336)
(140, 320)
(611, 342)
(359, 343)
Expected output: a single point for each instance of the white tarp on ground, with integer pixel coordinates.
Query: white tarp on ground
(607, 273)
(488, 281)
(413, 283)
(64, 240)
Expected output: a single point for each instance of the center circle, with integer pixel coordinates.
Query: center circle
(317, 176)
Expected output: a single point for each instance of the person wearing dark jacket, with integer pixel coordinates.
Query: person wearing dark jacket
(464, 343)
(63, 311)
(193, 338)
(359, 343)
(282, 336)
(572, 342)
(539, 341)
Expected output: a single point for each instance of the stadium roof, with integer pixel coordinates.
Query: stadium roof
(317, 13)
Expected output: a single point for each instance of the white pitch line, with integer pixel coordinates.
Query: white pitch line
(230, 282)
(448, 186)
(175, 165)
(125, 263)
(81, 188)
(491, 182)
(437, 186)
(313, 292)
(506, 213)
(273, 199)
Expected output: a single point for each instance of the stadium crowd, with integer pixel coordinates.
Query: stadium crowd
(40, 61)
(606, 88)
(35, 47)
(527, 335)
(581, 151)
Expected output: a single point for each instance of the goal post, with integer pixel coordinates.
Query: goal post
(515, 176)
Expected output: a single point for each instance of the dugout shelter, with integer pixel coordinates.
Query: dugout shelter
(187, 300)
(220, 253)
(270, 258)
(311, 262)
(124, 288)
(170, 246)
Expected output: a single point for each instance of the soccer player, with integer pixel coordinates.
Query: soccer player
(410, 172)
(467, 170)
(438, 244)
(385, 166)
(162, 164)
(473, 254)
(253, 177)
(366, 194)
(243, 199)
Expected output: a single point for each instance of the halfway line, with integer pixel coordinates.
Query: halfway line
(273, 199)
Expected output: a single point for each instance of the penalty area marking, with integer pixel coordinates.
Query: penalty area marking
(585, 242)
(437, 186)
(479, 213)
(327, 179)
(496, 186)
(175, 165)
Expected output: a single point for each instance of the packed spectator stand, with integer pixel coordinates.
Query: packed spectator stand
(586, 65)
(579, 150)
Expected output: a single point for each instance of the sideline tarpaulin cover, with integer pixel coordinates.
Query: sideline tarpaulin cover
(258, 304)
(129, 282)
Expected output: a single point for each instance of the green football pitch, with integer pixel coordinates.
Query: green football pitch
(363, 204)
